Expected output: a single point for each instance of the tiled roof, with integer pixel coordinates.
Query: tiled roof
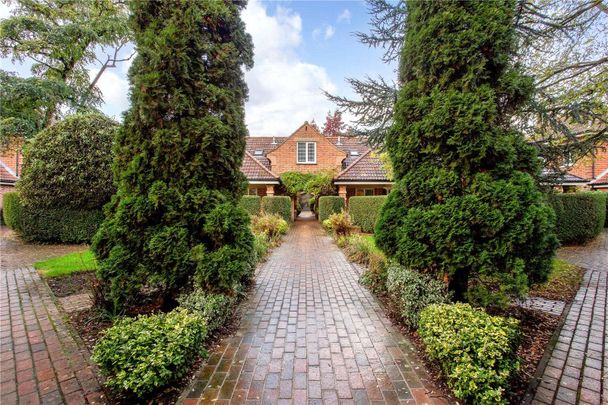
(7, 176)
(368, 167)
(255, 170)
(601, 179)
(561, 178)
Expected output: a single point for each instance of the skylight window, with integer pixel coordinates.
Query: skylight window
(258, 152)
(354, 153)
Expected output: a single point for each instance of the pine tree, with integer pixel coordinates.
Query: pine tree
(465, 203)
(174, 219)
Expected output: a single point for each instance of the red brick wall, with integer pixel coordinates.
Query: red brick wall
(12, 156)
(585, 168)
(283, 159)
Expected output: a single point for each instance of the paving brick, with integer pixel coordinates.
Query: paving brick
(44, 354)
(575, 366)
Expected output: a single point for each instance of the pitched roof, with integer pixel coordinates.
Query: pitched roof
(601, 179)
(561, 178)
(255, 170)
(367, 167)
(7, 175)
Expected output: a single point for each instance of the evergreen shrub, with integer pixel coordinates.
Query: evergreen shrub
(174, 219)
(277, 204)
(580, 217)
(410, 292)
(251, 203)
(476, 351)
(140, 355)
(465, 202)
(215, 309)
(365, 210)
(328, 205)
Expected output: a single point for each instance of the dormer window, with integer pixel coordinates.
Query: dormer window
(258, 152)
(307, 153)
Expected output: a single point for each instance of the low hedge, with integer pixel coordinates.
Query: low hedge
(277, 205)
(11, 210)
(252, 204)
(329, 204)
(364, 211)
(140, 355)
(579, 216)
(475, 350)
(50, 224)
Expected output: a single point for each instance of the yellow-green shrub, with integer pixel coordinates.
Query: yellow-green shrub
(475, 350)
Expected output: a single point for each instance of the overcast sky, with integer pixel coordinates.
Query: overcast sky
(301, 48)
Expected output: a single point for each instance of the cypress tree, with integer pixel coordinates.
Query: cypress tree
(465, 203)
(174, 219)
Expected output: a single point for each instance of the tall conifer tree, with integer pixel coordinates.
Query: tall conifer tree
(174, 218)
(465, 203)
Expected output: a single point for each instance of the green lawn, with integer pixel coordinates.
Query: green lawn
(67, 264)
(562, 284)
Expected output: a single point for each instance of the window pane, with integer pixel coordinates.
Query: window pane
(311, 152)
(301, 152)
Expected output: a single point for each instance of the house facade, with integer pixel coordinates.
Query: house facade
(358, 171)
(11, 162)
(588, 173)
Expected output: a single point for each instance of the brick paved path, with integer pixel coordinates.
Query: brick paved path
(577, 372)
(312, 334)
(40, 360)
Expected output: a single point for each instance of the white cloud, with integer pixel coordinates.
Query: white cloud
(329, 31)
(345, 15)
(284, 91)
(115, 91)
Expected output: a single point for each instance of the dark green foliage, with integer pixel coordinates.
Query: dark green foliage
(329, 205)
(476, 351)
(175, 217)
(12, 210)
(465, 202)
(251, 203)
(411, 292)
(69, 164)
(580, 216)
(364, 211)
(140, 355)
(280, 205)
(59, 225)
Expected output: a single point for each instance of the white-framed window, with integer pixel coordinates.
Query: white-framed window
(306, 152)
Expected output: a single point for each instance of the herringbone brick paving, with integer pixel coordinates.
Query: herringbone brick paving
(312, 334)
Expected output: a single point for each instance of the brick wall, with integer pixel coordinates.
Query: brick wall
(283, 159)
(586, 168)
(11, 157)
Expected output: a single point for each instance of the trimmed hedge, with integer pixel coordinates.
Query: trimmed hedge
(365, 210)
(50, 224)
(11, 211)
(580, 216)
(252, 204)
(329, 204)
(476, 351)
(277, 205)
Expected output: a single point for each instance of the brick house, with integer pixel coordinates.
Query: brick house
(588, 173)
(358, 170)
(11, 161)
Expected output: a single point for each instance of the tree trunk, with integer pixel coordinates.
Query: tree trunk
(458, 284)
